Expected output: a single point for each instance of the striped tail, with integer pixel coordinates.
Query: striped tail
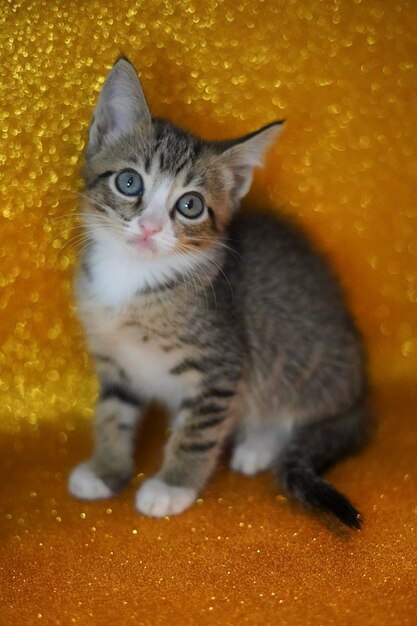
(314, 448)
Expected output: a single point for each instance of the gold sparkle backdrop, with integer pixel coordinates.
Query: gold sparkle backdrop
(343, 74)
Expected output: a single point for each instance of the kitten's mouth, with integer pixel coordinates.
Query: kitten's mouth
(143, 244)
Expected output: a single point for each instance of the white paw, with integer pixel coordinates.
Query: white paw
(84, 484)
(250, 460)
(157, 499)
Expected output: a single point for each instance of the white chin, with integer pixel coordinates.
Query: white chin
(145, 251)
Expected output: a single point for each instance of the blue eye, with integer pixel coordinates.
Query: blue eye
(190, 205)
(129, 183)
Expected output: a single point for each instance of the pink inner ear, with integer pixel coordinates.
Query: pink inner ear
(103, 127)
(121, 105)
(242, 175)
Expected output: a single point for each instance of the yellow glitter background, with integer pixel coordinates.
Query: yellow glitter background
(343, 74)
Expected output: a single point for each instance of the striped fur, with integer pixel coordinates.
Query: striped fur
(232, 321)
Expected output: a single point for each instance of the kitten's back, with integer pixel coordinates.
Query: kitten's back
(295, 317)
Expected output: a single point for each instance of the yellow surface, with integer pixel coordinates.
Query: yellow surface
(343, 73)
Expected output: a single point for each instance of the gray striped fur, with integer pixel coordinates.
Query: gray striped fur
(251, 346)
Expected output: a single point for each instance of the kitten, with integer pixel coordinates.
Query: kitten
(233, 321)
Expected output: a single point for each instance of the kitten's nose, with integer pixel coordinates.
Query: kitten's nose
(148, 228)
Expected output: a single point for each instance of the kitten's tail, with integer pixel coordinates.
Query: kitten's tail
(315, 447)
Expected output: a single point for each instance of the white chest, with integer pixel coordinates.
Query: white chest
(141, 341)
(149, 368)
(146, 358)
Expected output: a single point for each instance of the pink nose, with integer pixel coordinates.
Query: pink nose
(147, 229)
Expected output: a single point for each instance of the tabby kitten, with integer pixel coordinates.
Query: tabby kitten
(233, 321)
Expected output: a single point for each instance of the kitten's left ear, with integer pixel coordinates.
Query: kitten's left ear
(121, 106)
(244, 154)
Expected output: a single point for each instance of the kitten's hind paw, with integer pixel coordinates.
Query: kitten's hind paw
(157, 499)
(249, 459)
(83, 483)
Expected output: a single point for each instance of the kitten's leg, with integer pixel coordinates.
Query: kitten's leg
(111, 465)
(190, 455)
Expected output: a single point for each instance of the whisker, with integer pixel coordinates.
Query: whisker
(197, 267)
(185, 276)
(210, 260)
(191, 273)
(223, 273)
(73, 243)
(217, 242)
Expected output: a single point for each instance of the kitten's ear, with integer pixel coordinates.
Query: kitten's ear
(120, 107)
(244, 154)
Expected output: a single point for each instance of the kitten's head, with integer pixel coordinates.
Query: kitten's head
(154, 188)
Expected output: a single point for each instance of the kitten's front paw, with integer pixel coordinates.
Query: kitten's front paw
(157, 499)
(83, 483)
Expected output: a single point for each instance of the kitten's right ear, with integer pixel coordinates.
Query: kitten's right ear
(242, 155)
(121, 106)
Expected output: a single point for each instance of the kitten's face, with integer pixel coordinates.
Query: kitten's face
(153, 188)
(159, 191)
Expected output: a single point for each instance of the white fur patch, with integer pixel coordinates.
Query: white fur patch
(249, 460)
(149, 368)
(117, 273)
(84, 484)
(157, 499)
(258, 451)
